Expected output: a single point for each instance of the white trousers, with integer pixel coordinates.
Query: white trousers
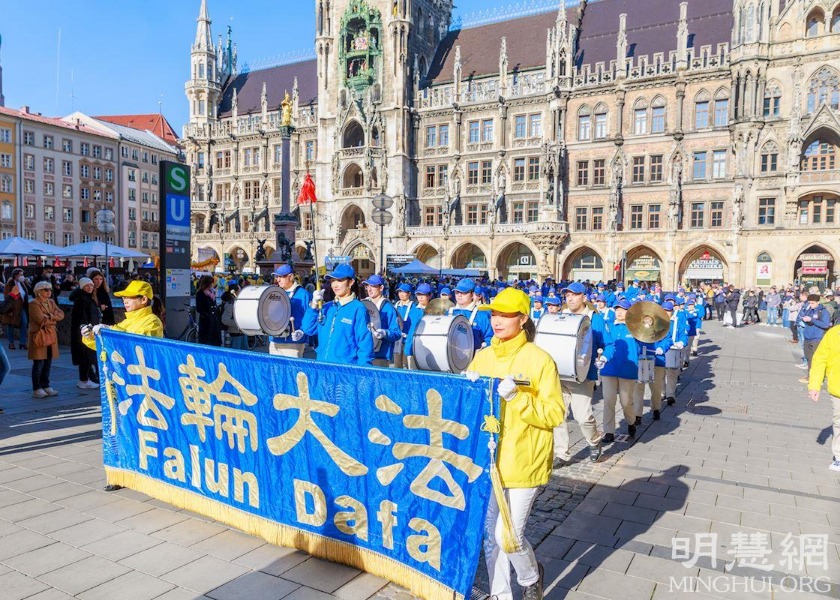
(835, 443)
(578, 398)
(623, 389)
(671, 382)
(655, 392)
(695, 342)
(498, 561)
(292, 350)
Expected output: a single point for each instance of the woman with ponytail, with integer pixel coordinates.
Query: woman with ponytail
(532, 406)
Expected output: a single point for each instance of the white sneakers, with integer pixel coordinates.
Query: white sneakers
(88, 385)
(50, 392)
(39, 394)
(835, 465)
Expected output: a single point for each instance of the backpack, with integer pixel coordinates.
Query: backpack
(227, 316)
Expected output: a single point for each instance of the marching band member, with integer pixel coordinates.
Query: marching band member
(619, 368)
(552, 305)
(537, 308)
(389, 322)
(579, 395)
(423, 295)
(657, 351)
(525, 450)
(466, 305)
(403, 306)
(679, 339)
(342, 325)
(601, 305)
(293, 344)
(694, 315)
(446, 293)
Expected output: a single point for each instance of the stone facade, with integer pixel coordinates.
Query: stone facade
(674, 142)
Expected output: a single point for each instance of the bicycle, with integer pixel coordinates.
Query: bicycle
(190, 333)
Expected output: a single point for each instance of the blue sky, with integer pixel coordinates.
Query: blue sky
(125, 56)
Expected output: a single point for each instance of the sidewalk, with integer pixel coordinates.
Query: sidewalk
(743, 453)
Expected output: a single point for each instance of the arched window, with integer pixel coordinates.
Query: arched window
(835, 21)
(722, 108)
(584, 124)
(354, 135)
(814, 22)
(657, 115)
(769, 157)
(601, 122)
(750, 31)
(6, 211)
(772, 99)
(640, 117)
(742, 16)
(353, 176)
(824, 88)
(374, 137)
(819, 155)
(701, 110)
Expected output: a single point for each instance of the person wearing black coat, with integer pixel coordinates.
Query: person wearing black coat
(209, 325)
(102, 294)
(733, 299)
(85, 312)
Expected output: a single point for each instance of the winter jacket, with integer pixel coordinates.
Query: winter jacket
(389, 320)
(694, 321)
(44, 312)
(774, 300)
(209, 326)
(300, 299)
(526, 443)
(733, 298)
(141, 322)
(19, 305)
(480, 319)
(825, 364)
(104, 298)
(85, 312)
(343, 333)
(820, 322)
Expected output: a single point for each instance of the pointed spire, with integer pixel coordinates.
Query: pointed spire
(503, 66)
(621, 46)
(682, 37)
(561, 13)
(234, 106)
(203, 36)
(457, 73)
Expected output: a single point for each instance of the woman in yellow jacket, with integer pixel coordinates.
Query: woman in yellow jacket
(142, 316)
(530, 412)
(825, 365)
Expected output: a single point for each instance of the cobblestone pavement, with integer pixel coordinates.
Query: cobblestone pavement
(743, 453)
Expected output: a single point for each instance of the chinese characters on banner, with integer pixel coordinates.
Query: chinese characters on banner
(388, 464)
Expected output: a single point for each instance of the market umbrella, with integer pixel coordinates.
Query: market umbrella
(416, 267)
(18, 246)
(98, 249)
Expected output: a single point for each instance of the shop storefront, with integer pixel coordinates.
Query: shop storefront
(587, 266)
(764, 270)
(705, 269)
(813, 268)
(644, 268)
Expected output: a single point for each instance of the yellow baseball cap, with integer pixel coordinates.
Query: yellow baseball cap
(136, 288)
(509, 300)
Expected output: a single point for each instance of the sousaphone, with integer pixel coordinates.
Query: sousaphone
(647, 322)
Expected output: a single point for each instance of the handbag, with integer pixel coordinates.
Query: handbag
(45, 338)
(7, 305)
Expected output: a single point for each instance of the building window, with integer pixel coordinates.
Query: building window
(5, 135)
(719, 164)
(580, 218)
(519, 127)
(772, 101)
(584, 124)
(533, 212)
(598, 172)
(67, 215)
(698, 210)
(66, 168)
(601, 128)
(85, 149)
(518, 212)
(583, 172)
(132, 195)
(824, 88)
(474, 132)
(636, 216)
(443, 175)
(28, 186)
(640, 121)
(97, 174)
(109, 175)
(486, 172)
(519, 169)
(49, 165)
(97, 195)
(533, 168)
(657, 123)
(6, 184)
(769, 158)
(716, 214)
(49, 237)
(6, 212)
(29, 211)
(535, 126)
(701, 114)
(28, 138)
(49, 188)
(472, 214)
(722, 112)
(29, 162)
(97, 152)
(132, 174)
(597, 218)
(310, 153)
(819, 156)
(49, 213)
(109, 155)
(656, 168)
(48, 142)
(487, 130)
(654, 210)
(109, 196)
(638, 169)
(67, 145)
(443, 136)
(132, 214)
(84, 171)
(472, 173)
(67, 191)
(432, 216)
(431, 172)
(278, 154)
(68, 239)
(431, 136)
(6, 161)
(699, 166)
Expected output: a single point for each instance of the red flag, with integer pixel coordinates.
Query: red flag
(307, 191)
(617, 268)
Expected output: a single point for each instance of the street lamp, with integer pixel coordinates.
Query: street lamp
(105, 224)
(381, 216)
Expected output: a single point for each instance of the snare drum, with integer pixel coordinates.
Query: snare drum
(673, 358)
(375, 322)
(646, 370)
(262, 310)
(568, 339)
(443, 343)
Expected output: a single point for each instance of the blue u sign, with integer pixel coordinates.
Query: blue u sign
(177, 210)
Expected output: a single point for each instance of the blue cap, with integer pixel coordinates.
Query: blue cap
(375, 280)
(405, 287)
(601, 284)
(679, 301)
(575, 288)
(669, 306)
(283, 270)
(669, 296)
(478, 290)
(625, 304)
(425, 289)
(635, 281)
(600, 298)
(445, 291)
(232, 282)
(533, 288)
(619, 286)
(552, 301)
(538, 299)
(465, 285)
(342, 272)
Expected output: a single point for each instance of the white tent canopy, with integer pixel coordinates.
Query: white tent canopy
(98, 249)
(18, 246)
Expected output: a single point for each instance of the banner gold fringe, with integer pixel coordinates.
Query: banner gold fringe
(286, 535)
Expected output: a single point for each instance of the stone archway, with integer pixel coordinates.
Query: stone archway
(362, 260)
(585, 263)
(814, 266)
(236, 258)
(429, 254)
(516, 261)
(703, 264)
(468, 256)
(645, 264)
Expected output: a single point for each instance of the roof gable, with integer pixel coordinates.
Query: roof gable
(156, 123)
(278, 81)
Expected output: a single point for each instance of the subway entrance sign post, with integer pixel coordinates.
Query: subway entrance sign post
(175, 245)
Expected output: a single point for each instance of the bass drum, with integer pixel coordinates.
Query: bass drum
(568, 339)
(375, 323)
(262, 310)
(443, 343)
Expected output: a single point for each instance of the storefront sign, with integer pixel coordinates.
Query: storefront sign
(644, 268)
(813, 270)
(764, 273)
(705, 268)
(824, 257)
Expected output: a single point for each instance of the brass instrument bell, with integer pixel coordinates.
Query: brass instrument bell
(439, 307)
(647, 322)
